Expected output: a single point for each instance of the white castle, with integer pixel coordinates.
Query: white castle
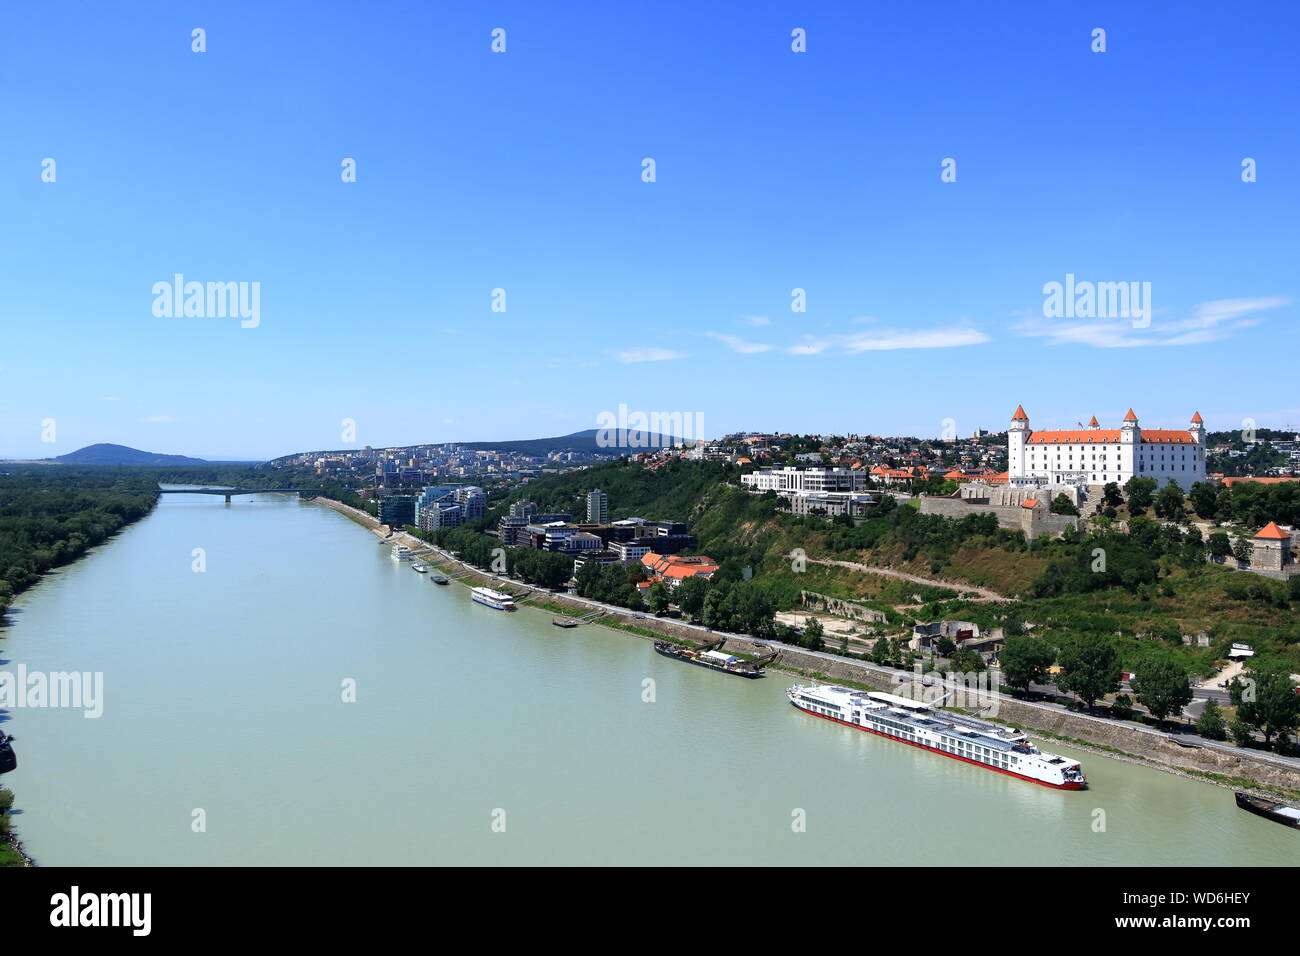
(1096, 455)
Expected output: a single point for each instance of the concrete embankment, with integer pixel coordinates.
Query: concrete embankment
(1145, 746)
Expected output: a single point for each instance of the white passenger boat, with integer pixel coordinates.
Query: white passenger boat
(493, 599)
(401, 552)
(920, 724)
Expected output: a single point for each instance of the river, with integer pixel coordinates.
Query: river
(479, 737)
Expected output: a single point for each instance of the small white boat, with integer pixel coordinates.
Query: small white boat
(401, 552)
(419, 568)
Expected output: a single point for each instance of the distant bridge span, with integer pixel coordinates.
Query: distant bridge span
(227, 493)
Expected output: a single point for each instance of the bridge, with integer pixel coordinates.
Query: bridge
(229, 492)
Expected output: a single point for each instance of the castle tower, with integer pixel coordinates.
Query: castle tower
(1271, 548)
(1094, 424)
(1198, 428)
(1017, 435)
(1129, 437)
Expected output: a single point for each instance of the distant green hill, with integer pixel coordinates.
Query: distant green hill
(105, 454)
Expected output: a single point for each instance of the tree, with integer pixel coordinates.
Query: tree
(1025, 661)
(812, 634)
(1169, 503)
(690, 594)
(1241, 733)
(1062, 505)
(1122, 708)
(966, 661)
(1091, 668)
(1162, 687)
(1211, 724)
(1110, 495)
(1220, 544)
(945, 646)
(1267, 701)
(1242, 549)
(659, 597)
(1205, 500)
(1139, 492)
(880, 651)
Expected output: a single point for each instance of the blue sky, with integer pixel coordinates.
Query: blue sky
(522, 170)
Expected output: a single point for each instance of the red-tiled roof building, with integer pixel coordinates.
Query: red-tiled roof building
(1097, 456)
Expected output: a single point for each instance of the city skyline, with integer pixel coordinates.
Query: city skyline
(522, 171)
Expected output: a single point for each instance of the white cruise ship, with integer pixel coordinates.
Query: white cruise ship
(502, 602)
(955, 735)
(401, 552)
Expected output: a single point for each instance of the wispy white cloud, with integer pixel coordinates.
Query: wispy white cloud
(155, 419)
(883, 340)
(757, 320)
(1209, 322)
(737, 344)
(649, 355)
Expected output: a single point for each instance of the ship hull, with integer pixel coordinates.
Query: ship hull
(749, 675)
(944, 753)
(1264, 808)
(494, 606)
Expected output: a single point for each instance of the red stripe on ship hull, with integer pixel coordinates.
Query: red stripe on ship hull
(943, 753)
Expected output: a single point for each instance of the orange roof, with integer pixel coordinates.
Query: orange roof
(676, 566)
(1092, 435)
(1130, 417)
(1272, 532)
(1103, 435)
(1020, 414)
(998, 479)
(1196, 418)
(1166, 435)
(1229, 482)
(1029, 502)
(1094, 423)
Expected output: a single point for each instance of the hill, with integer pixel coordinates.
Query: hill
(105, 454)
(583, 443)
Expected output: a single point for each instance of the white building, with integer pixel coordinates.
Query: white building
(804, 480)
(1096, 455)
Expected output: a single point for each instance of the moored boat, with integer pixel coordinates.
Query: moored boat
(709, 656)
(439, 578)
(1269, 809)
(401, 552)
(8, 759)
(419, 569)
(492, 599)
(920, 724)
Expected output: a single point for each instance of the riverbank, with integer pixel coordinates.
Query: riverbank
(1229, 769)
